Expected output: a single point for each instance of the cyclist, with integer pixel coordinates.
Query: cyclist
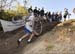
(29, 29)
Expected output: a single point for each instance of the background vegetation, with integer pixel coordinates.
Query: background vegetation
(7, 14)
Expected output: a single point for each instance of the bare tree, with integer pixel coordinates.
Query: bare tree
(25, 2)
(5, 3)
(8, 3)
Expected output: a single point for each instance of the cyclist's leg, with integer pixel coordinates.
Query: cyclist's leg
(31, 36)
(36, 33)
(20, 39)
(27, 34)
(23, 37)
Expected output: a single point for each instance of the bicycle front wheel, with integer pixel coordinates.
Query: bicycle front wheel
(38, 27)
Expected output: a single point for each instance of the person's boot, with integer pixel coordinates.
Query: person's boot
(19, 41)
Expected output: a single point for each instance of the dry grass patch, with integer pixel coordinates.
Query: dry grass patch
(49, 47)
(67, 23)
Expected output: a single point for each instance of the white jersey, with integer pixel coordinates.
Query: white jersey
(29, 24)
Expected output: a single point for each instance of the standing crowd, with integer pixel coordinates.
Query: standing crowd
(50, 16)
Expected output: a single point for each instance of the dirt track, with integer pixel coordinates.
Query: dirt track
(60, 40)
(8, 41)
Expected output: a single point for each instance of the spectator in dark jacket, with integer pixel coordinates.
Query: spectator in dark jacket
(35, 12)
(53, 16)
(65, 13)
(42, 12)
(49, 16)
(38, 11)
(56, 16)
(30, 9)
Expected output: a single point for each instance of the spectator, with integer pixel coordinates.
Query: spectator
(38, 11)
(49, 16)
(65, 13)
(53, 16)
(60, 16)
(42, 12)
(46, 14)
(35, 12)
(30, 9)
(56, 16)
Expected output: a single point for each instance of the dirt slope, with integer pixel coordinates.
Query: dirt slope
(60, 40)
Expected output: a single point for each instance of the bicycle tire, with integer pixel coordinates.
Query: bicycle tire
(38, 27)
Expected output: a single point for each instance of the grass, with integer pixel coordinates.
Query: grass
(49, 47)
